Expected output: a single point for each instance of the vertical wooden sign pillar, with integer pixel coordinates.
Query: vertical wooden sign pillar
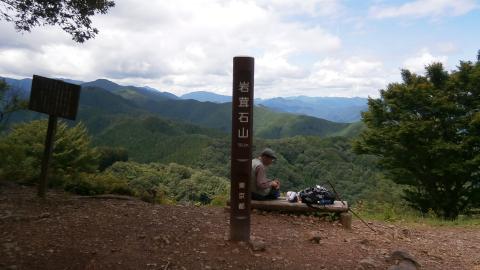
(57, 99)
(241, 155)
(47, 154)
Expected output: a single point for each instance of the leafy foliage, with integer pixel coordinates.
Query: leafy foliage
(306, 161)
(74, 166)
(22, 151)
(10, 102)
(97, 183)
(110, 155)
(73, 16)
(170, 182)
(303, 161)
(426, 132)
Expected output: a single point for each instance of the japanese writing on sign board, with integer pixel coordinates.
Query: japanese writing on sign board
(243, 135)
(243, 112)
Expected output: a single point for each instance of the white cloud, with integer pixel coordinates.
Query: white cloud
(424, 8)
(188, 45)
(336, 77)
(175, 45)
(418, 62)
(352, 76)
(52, 60)
(274, 65)
(310, 7)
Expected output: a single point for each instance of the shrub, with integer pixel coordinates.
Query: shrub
(110, 155)
(22, 152)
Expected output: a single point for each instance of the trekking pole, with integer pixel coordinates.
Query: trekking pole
(349, 209)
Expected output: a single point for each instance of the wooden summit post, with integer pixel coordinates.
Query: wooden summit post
(57, 99)
(241, 152)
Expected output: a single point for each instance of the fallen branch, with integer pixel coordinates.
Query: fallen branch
(349, 209)
(108, 197)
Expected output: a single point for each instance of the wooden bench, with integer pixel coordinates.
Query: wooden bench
(283, 205)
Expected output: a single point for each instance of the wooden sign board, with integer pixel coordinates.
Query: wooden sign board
(57, 99)
(54, 97)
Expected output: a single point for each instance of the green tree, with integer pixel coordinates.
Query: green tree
(110, 155)
(73, 16)
(9, 103)
(22, 151)
(425, 132)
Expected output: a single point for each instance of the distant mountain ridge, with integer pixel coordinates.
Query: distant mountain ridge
(207, 96)
(336, 109)
(103, 101)
(102, 83)
(24, 85)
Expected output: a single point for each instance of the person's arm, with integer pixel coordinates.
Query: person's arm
(262, 180)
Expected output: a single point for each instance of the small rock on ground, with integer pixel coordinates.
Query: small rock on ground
(368, 263)
(257, 245)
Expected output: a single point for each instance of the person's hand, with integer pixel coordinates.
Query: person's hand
(276, 184)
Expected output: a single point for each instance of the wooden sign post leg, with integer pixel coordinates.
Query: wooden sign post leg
(47, 154)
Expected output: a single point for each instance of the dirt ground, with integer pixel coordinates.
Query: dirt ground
(68, 232)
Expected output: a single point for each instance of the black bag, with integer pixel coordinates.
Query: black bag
(317, 195)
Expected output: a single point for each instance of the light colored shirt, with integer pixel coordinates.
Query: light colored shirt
(260, 184)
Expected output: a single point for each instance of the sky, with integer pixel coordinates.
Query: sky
(301, 47)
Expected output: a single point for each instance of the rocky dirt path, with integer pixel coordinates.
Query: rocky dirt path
(67, 232)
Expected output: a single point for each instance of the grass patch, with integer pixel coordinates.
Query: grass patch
(404, 214)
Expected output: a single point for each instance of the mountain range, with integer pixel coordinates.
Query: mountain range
(105, 104)
(335, 109)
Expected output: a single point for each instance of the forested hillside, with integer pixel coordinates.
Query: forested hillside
(102, 98)
(103, 101)
(152, 127)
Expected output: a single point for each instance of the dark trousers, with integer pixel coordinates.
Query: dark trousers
(273, 195)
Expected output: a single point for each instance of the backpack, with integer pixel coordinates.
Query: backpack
(317, 195)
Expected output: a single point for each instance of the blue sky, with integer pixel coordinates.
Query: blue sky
(301, 47)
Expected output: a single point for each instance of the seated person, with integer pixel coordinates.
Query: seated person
(263, 188)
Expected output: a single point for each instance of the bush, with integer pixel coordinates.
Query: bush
(162, 183)
(110, 155)
(96, 184)
(83, 186)
(22, 152)
(219, 200)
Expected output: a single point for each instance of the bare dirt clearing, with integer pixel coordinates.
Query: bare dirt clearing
(68, 232)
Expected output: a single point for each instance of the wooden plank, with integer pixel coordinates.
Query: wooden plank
(283, 205)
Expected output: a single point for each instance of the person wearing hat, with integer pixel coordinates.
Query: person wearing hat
(263, 188)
